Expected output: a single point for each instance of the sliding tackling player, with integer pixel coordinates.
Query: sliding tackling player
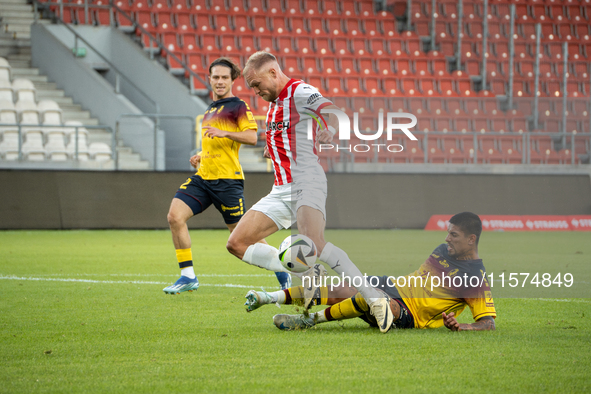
(415, 304)
(227, 124)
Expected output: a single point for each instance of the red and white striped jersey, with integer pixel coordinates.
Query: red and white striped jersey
(293, 155)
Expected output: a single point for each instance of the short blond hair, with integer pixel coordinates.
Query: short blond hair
(258, 60)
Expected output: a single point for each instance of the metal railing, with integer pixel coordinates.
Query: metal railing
(156, 119)
(525, 144)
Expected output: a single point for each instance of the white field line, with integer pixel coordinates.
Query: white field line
(12, 277)
(172, 275)
(560, 300)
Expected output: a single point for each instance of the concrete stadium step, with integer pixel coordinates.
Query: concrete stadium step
(18, 28)
(15, 7)
(45, 85)
(13, 2)
(24, 72)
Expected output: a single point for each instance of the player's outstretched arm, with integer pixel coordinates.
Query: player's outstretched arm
(485, 323)
(248, 137)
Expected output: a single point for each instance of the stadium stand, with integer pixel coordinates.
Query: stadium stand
(44, 136)
(368, 58)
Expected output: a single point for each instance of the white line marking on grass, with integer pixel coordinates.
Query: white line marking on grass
(561, 300)
(171, 275)
(11, 277)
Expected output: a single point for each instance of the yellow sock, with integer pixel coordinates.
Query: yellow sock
(185, 259)
(347, 309)
(295, 295)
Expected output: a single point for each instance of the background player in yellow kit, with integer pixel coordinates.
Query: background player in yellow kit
(227, 124)
(414, 303)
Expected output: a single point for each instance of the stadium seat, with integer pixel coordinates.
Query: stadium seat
(49, 112)
(23, 90)
(33, 149)
(334, 85)
(99, 151)
(6, 92)
(5, 70)
(70, 130)
(322, 45)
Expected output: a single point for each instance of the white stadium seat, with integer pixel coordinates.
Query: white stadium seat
(33, 146)
(28, 114)
(9, 145)
(8, 116)
(5, 70)
(99, 151)
(49, 112)
(83, 154)
(56, 151)
(6, 92)
(24, 90)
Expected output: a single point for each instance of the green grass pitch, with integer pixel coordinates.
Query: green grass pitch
(84, 311)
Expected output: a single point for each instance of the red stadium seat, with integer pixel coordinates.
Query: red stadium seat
(351, 25)
(359, 46)
(334, 85)
(329, 65)
(403, 67)
(322, 45)
(284, 45)
(348, 66)
(379, 46)
(395, 46)
(385, 66)
(304, 45)
(366, 66)
(353, 85)
(372, 86)
(370, 28)
(341, 46)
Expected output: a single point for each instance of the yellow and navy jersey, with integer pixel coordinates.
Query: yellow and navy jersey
(219, 156)
(442, 284)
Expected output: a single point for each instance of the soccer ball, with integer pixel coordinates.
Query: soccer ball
(297, 253)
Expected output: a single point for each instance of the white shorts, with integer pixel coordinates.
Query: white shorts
(284, 201)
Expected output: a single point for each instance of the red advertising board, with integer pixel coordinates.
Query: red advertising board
(521, 222)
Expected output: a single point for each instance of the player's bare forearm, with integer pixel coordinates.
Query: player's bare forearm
(247, 137)
(486, 323)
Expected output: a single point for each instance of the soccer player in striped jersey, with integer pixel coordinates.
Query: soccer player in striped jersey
(227, 124)
(416, 303)
(299, 191)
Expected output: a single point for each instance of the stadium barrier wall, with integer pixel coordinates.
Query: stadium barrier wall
(140, 200)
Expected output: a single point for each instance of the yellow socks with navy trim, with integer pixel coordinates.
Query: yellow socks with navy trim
(347, 309)
(185, 259)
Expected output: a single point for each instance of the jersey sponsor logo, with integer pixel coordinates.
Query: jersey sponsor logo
(277, 126)
(313, 98)
(444, 263)
(453, 272)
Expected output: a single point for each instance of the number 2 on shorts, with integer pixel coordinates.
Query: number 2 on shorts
(184, 185)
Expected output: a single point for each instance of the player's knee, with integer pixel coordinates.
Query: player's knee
(174, 219)
(235, 247)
